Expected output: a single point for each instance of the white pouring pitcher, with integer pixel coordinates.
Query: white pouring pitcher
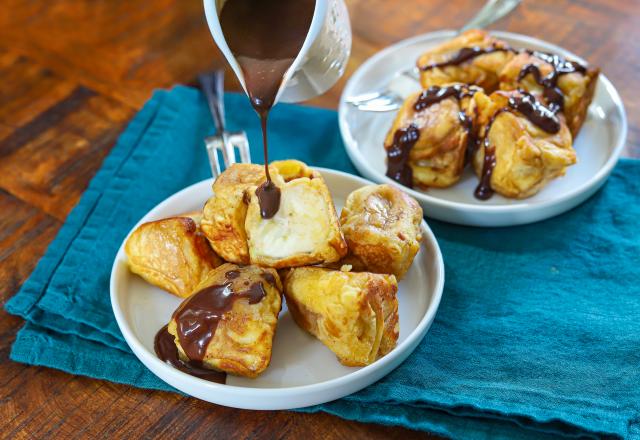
(321, 61)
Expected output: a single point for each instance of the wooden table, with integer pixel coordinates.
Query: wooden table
(73, 72)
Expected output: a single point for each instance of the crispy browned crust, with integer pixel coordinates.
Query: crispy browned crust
(438, 157)
(171, 253)
(577, 114)
(243, 341)
(354, 314)
(527, 158)
(482, 70)
(224, 213)
(381, 224)
(304, 231)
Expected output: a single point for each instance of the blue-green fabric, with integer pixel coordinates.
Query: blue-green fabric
(538, 332)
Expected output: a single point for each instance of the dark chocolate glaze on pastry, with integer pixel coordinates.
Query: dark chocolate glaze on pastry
(467, 54)
(398, 167)
(551, 92)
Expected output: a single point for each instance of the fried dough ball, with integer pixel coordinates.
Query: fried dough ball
(354, 314)
(239, 307)
(382, 227)
(481, 70)
(437, 157)
(526, 157)
(305, 229)
(224, 213)
(171, 253)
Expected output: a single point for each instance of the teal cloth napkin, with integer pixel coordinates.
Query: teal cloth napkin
(538, 332)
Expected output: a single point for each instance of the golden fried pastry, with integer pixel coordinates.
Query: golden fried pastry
(354, 314)
(554, 80)
(523, 146)
(304, 230)
(428, 141)
(224, 213)
(172, 254)
(229, 323)
(473, 57)
(382, 227)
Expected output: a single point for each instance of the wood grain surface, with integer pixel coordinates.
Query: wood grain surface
(73, 72)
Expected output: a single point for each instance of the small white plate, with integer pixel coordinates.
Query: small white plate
(303, 371)
(598, 145)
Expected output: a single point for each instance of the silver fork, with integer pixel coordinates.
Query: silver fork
(223, 141)
(393, 96)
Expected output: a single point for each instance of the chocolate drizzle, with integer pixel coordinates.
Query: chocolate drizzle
(435, 94)
(551, 92)
(268, 198)
(266, 36)
(483, 190)
(398, 167)
(165, 348)
(466, 54)
(539, 115)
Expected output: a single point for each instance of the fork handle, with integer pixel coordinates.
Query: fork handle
(213, 86)
(492, 11)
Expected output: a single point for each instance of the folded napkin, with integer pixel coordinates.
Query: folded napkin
(538, 332)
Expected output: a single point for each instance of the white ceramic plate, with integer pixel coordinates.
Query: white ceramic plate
(303, 371)
(598, 145)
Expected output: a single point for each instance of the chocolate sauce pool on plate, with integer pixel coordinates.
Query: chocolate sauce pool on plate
(265, 36)
(167, 351)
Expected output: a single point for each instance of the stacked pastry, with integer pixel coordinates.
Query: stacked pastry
(512, 114)
(232, 265)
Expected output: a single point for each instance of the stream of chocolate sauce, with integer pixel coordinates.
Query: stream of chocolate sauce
(197, 319)
(265, 36)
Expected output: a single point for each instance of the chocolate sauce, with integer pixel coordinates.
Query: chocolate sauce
(435, 94)
(198, 316)
(165, 348)
(466, 54)
(483, 190)
(398, 155)
(265, 36)
(535, 111)
(268, 198)
(269, 278)
(232, 274)
(551, 92)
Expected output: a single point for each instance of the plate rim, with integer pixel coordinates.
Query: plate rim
(401, 352)
(359, 161)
